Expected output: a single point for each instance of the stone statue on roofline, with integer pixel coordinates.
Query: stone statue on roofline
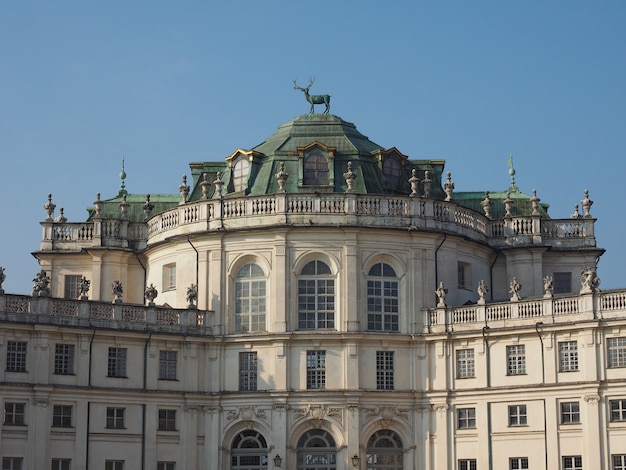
(441, 295)
(589, 281)
(192, 296)
(2, 279)
(548, 287)
(118, 292)
(41, 285)
(482, 292)
(514, 289)
(151, 294)
(83, 288)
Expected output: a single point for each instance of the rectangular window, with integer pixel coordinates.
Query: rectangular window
(167, 365)
(247, 371)
(167, 420)
(618, 410)
(466, 418)
(117, 362)
(568, 356)
(465, 364)
(12, 463)
(115, 418)
(14, 414)
(16, 356)
(62, 416)
(516, 359)
(71, 288)
(573, 462)
(61, 464)
(169, 277)
(166, 466)
(517, 415)
(619, 461)
(464, 275)
(562, 283)
(467, 464)
(570, 412)
(616, 351)
(315, 369)
(64, 359)
(114, 465)
(518, 463)
(384, 370)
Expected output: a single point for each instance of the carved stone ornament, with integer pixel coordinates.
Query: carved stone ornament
(281, 177)
(205, 185)
(548, 287)
(448, 187)
(482, 292)
(192, 296)
(427, 183)
(441, 295)
(40, 285)
(118, 292)
(184, 190)
(514, 290)
(147, 208)
(83, 288)
(151, 294)
(589, 281)
(486, 203)
(349, 176)
(2, 279)
(414, 181)
(313, 99)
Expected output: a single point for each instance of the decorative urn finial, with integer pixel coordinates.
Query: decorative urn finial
(184, 190)
(534, 201)
(448, 187)
(486, 203)
(281, 177)
(151, 294)
(349, 176)
(219, 185)
(98, 206)
(427, 182)
(586, 204)
(147, 208)
(49, 208)
(124, 208)
(118, 292)
(414, 181)
(205, 185)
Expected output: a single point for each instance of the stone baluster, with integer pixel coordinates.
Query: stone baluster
(448, 187)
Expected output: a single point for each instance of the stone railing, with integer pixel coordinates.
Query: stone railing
(602, 305)
(399, 212)
(85, 313)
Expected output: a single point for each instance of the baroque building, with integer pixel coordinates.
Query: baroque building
(317, 302)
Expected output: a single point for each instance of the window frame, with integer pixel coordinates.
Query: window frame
(169, 277)
(618, 461)
(61, 464)
(64, 357)
(616, 351)
(467, 464)
(316, 308)
(315, 169)
(16, 356)
(516, 359)
(571, 410)
(248, 371)
(385, 367)
(316, 369)
(250, 299)
(71, 286)
(16, 413)
(383, 298)
(466, 418)
(518, 463)
(465, 363)
(167, 419)
(518, 415)
(562, 282)
(168, 365)
(568, 356)
(115, 418)
(12, 463)
(572, 462)
(117, 361)
(62, 416)
(114, 465)
(617, 410)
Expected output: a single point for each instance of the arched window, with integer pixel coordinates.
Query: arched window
(317, 451)
(240, 174)
(316, 297)
(315, 170)
(392, 170)
(249, 451)
(384, 451)
(250, 299)
(382, 298)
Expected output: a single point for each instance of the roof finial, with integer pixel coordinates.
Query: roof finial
(122, 190)
(512, 187)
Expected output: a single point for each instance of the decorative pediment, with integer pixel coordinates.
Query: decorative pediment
(392, 152)
(330, 151)
(249, 155)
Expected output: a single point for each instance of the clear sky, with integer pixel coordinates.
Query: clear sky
(165, 83)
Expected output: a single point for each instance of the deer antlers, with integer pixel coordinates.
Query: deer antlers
(296, 87)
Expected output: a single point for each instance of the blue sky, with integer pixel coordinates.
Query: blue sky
(83, 84)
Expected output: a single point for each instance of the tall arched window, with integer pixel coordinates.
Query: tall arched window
(317, 451)
(382, 298)
(384, 451)
(249, 451)
(315, 170)
(392, 170)
(240, 174)
(250, 295)
(316, 297)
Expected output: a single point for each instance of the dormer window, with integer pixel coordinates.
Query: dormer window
(392, 170)
(241, 170)
(315, 170)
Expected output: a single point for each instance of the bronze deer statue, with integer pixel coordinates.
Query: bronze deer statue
(313, 99)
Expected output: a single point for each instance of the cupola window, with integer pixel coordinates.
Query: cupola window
(315, 170)
(241, 170)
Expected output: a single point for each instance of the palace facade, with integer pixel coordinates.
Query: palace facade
(315, 303)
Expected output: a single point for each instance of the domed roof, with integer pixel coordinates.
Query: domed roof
(327, 129)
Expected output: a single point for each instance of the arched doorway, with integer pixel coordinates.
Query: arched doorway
(317, 451)
(249, 451)
(384, 451)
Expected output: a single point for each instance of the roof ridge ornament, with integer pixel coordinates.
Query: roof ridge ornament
(313, 99)
(512, 187)
(122, 190)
